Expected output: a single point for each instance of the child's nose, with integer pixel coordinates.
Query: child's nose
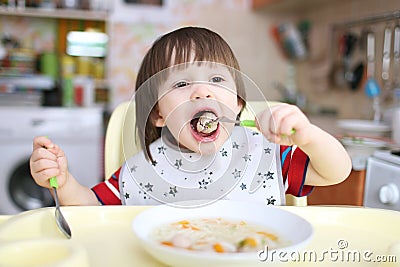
(201, 91)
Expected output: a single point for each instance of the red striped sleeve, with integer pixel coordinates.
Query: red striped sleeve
(108, 192)
(294, 170)
(285, 154)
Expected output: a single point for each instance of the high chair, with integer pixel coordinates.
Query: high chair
(121, 130)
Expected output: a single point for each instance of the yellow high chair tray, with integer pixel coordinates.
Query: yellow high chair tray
(343, 236)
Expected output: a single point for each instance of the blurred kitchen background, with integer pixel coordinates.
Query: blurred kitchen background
(66, 64)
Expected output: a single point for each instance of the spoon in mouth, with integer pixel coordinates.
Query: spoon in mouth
(60, 220)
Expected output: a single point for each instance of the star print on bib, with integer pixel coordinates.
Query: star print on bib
(244, 167)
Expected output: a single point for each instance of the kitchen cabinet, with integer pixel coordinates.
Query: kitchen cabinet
(348, 192)
(57, 13)
(262, 3)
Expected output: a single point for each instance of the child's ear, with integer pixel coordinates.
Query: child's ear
(157, 119)
(240, 106)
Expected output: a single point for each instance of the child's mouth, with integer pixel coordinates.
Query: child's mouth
(205, 126)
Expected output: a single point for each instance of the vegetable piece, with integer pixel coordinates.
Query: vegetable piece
(218, 248)
(269, 235)
(167, 243)
(186, 225)
(249, 242)
(181, 241)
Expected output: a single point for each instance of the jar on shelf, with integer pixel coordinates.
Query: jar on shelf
(67, 66)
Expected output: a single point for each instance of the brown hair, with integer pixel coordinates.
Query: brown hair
(174, 48)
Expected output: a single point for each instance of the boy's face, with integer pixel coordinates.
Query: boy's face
(187, 94)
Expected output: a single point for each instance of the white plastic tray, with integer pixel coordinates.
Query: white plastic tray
(342, 234)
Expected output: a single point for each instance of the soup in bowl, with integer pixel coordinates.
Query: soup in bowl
(224, 233)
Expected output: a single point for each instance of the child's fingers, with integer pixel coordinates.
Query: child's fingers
(56, 150)
(43, 153)
(279, 123)
(287, 125)
(48, 173)
(43, 178)
(42, 161)
(43, 164)
(43, 169)
(278, 114)
(42, 141)
(266, 121)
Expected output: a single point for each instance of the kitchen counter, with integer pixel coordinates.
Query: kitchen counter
(327, 123)
(343, 235)
(348, 192)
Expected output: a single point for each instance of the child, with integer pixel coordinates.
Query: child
(188, 79)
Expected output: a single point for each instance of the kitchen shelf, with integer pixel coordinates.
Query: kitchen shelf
(101, 83)
(41, 82)
(287, 5)
(58, 13)
(389, 16)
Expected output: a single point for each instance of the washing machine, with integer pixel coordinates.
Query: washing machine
(79, 132)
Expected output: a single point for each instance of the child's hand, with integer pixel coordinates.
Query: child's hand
(285, 124)
(48, 160)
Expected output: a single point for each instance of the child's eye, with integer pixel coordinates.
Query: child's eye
(181, 84)
(217, 79)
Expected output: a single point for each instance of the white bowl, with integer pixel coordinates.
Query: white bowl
(285, 224)
(364, 127)
(361, 148)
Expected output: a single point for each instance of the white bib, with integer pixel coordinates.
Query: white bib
(247, 167)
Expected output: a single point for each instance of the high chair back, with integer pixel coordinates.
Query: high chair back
(121, 130)
(115, 152)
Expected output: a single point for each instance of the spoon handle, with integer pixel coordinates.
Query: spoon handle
(54, 185)
(60, 220)
(248, 123)
(53, 182)
(251, 123)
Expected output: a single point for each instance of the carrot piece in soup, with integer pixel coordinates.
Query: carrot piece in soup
(183, 222)
(218, 248)
(167, 243)
(251, 242)
(270, 236)
(248, 241)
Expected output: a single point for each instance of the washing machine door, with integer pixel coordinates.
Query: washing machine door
(24, 192)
